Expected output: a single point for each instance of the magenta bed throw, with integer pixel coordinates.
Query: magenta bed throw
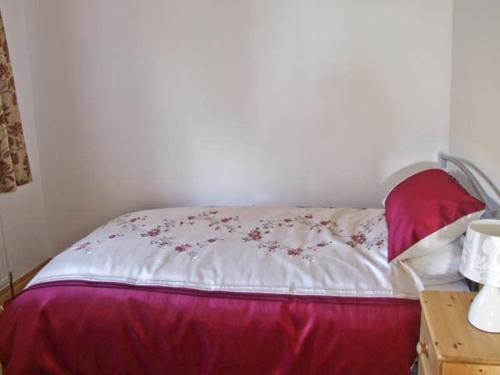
(102, 328)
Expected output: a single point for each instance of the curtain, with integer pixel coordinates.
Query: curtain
(14, 163)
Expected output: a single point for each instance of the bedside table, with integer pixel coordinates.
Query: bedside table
(449, 344)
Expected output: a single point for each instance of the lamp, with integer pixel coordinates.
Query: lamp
(481, 263)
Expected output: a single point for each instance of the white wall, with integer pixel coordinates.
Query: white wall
(196, 102)
(23, 212)
(475, 103)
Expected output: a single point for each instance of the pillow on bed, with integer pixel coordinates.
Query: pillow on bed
(439, 267)
(427, 211)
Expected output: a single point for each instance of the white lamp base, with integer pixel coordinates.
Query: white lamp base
(484, 311)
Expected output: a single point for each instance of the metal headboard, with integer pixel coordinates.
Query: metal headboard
(492, 204)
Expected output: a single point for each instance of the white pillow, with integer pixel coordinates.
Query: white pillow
(441, 266)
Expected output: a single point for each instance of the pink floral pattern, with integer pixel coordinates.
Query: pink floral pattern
(175, 234)
(363, 235)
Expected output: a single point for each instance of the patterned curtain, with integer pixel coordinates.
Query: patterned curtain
(14, 163)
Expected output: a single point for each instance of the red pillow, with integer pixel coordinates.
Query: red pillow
(427, 211)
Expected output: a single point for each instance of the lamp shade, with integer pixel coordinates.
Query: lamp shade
(481, 255)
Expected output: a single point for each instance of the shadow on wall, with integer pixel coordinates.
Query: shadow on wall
(488, 185)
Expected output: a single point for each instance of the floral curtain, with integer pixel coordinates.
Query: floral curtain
(14, 163)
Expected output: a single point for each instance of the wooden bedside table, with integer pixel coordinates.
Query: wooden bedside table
(449, 344)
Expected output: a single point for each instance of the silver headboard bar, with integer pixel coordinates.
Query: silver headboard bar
(493, 207)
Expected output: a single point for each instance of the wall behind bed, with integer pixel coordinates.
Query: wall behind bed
(475, 100)
(196, 102)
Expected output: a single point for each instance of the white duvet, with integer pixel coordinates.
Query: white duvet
(303, 251)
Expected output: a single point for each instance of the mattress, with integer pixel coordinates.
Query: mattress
(219, 291)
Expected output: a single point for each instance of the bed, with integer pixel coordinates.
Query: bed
(222, 290)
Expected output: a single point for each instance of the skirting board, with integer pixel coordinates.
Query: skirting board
(20, 283)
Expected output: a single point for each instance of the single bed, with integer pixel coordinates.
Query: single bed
(222, 290)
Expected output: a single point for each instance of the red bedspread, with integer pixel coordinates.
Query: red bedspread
(102, 328)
